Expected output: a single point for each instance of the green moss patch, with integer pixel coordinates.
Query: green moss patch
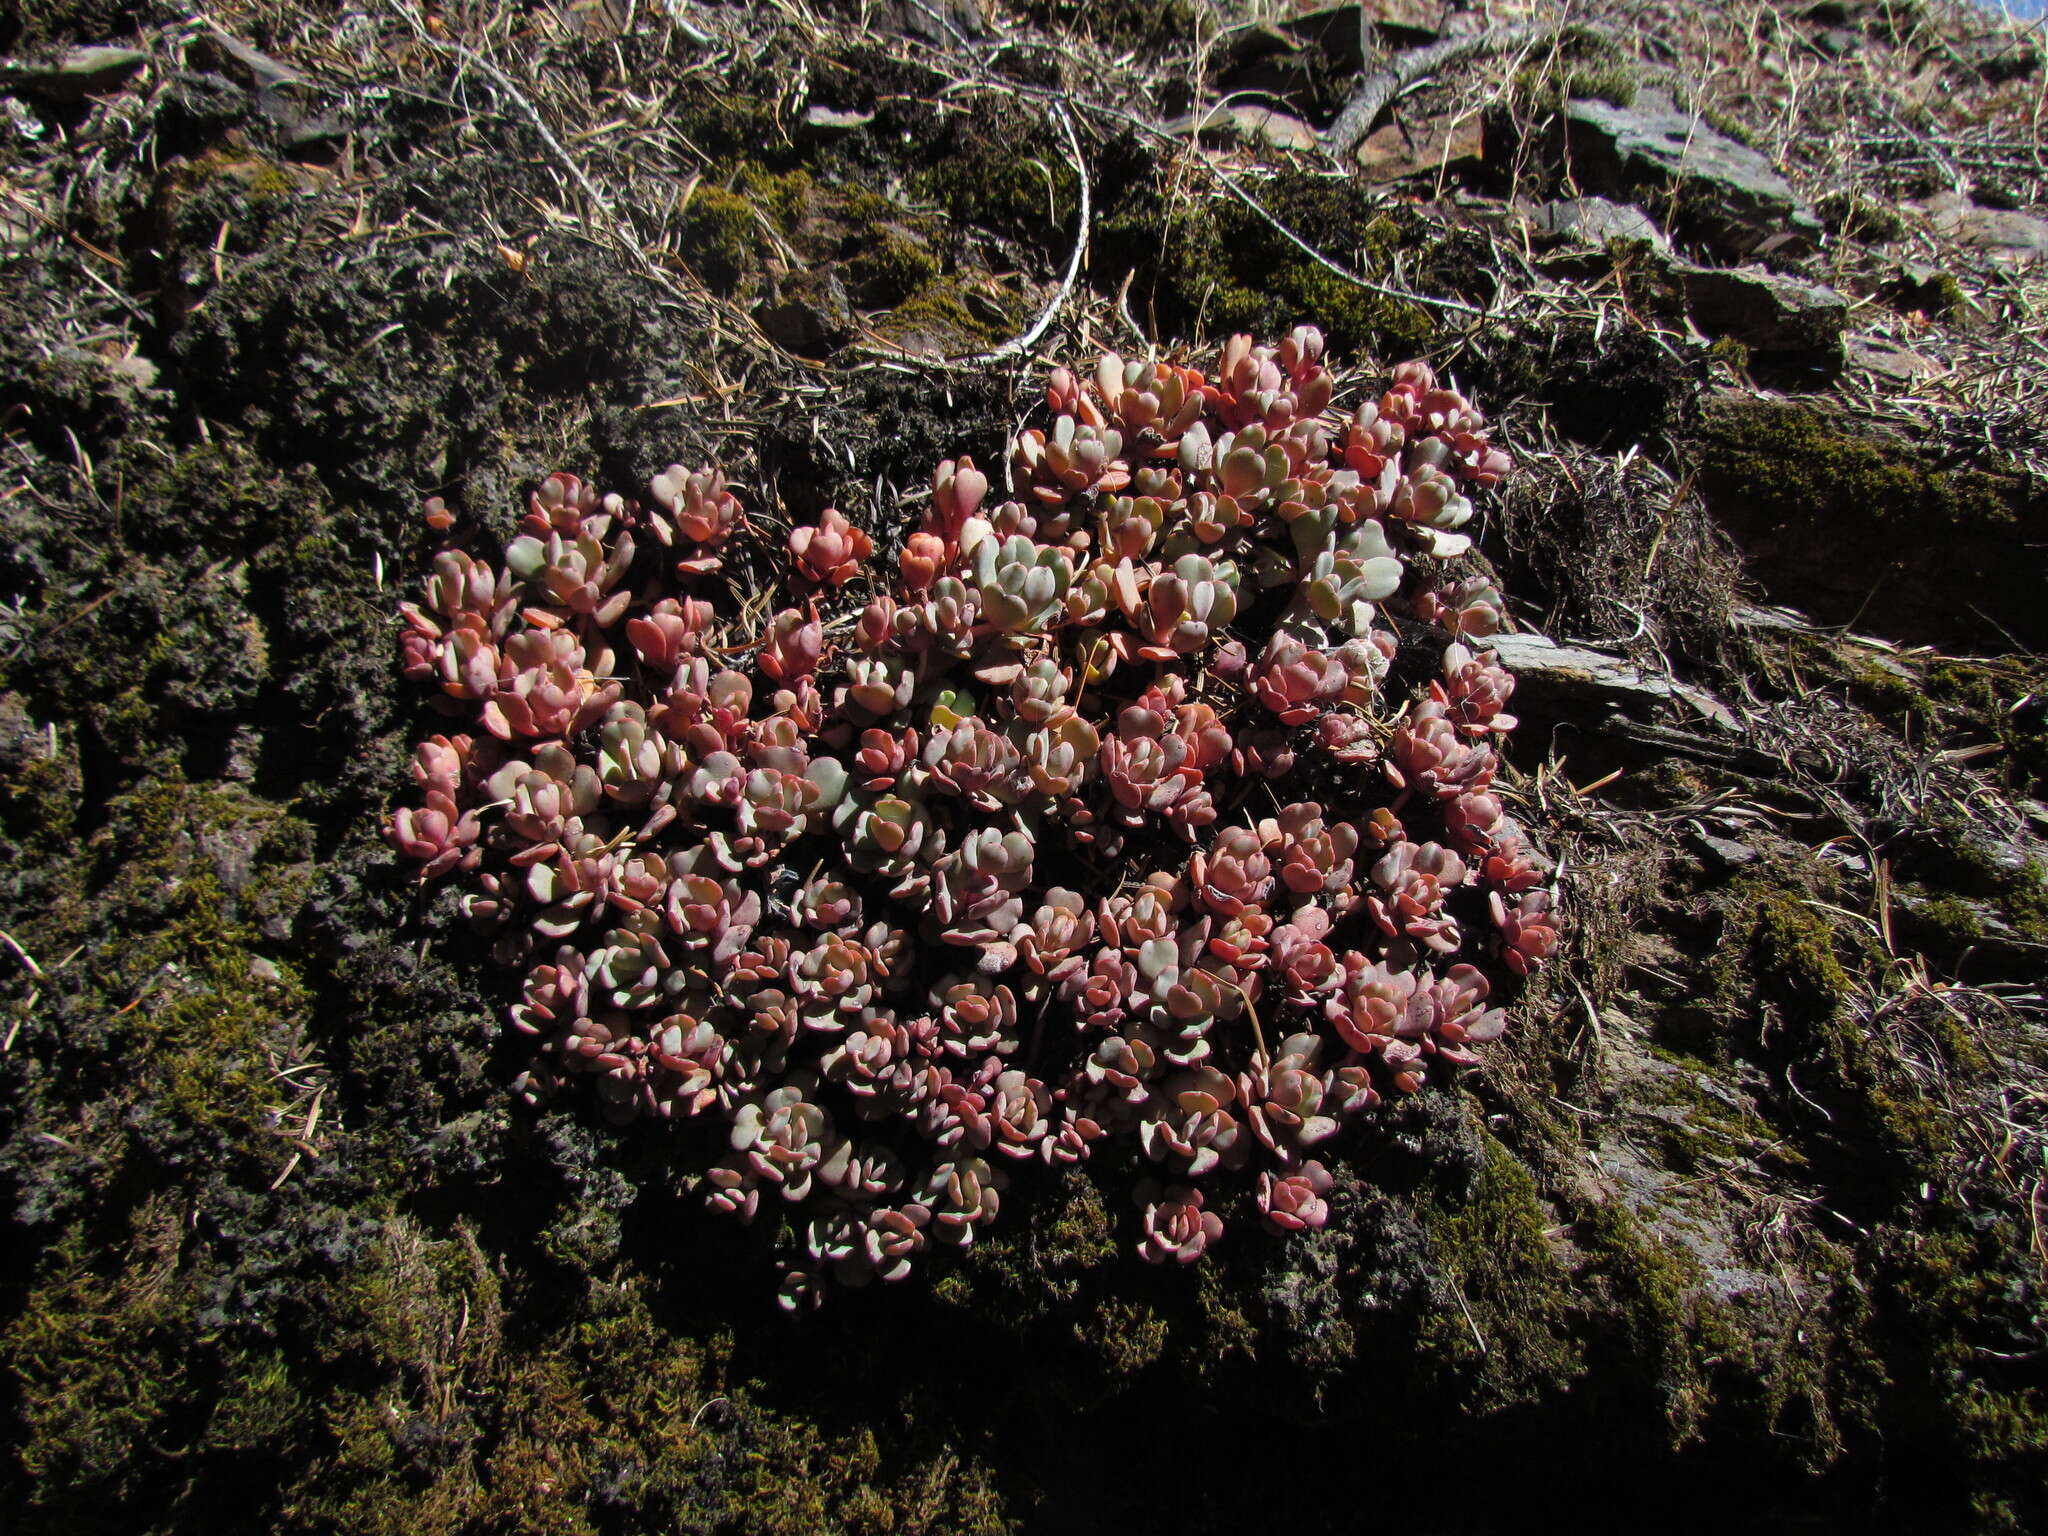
(1208, 266)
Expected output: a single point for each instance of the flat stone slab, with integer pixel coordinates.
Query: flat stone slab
(1729, 195)
(1578, 675)
(1252, 123)
(1393, 151)
(75, 74)
(2007, 236)
(1595, 221)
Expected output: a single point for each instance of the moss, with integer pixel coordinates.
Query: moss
(24, 24)
(862, 206)
(1793, 950)
(258, 178)
(1709, 1123)
(1790, 461)
(1862, 529)
(937, 317)
(1946, 921)
(1818, 1376)
(1860, 218)
(1959, 1305)
(2023, 894)
(1011, 175)
(101, 1383)
(39, 803)
(893, 268)
(1886, 692)
(1926, 292)
(1780, 973)
(785, 198)
(1505, 1319)
(1211, 266)
(735, 119)
(1666, 1328)
(1727, 125)
(721, 234)
(1023, 1272)
(1726, 349)
(2004, 700)
(1131, 1335)
(1545, 88)
(425, 1406)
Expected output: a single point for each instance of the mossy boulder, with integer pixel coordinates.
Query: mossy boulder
(1879, 533)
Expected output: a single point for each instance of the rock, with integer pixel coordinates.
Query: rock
(1864, 526)
(1394, 151)
(1271, 62)
(1784, 318)
(1595, 221)
(1295, 60)
(1725, 852)
(1339, 30)
(302, 133)
(313, 138)
(1785, 620)
(935, 21)
(1671, 1128)
(230, 56)
(75, 74)
(1255, 124)
(134, 370)
(823, 122)
(1871, 354)
(1729, 195)
(1573, 676)
(807, 317)
(2006, 236)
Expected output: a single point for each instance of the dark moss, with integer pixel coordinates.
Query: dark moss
(1786, 457)
(2005, 700)
(1143, 25)
(1211, 266)
(1963, 1314)
(1860, 218)
(733, 117)
(1010, 173)
(720, 236)
(1936, 294)
(27, 23)
(1506, 1320)
(1666, 1326)
(1782, 974)
(1944, 924)
(892, 269)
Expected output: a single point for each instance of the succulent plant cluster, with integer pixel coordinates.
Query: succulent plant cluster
(1011, 857)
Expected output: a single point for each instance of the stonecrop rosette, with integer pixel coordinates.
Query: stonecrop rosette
(906, 888)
